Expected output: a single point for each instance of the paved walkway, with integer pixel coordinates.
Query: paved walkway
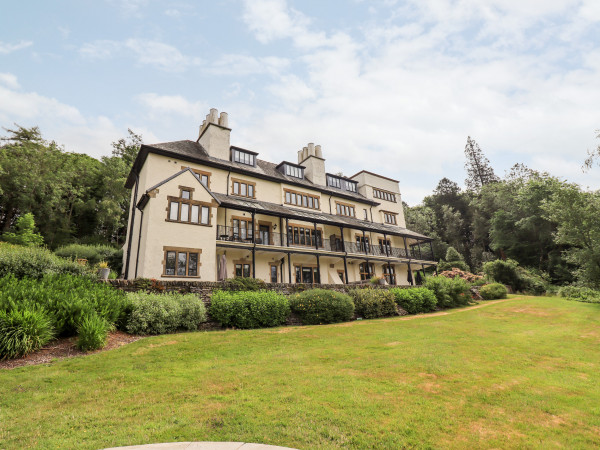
(202, 446)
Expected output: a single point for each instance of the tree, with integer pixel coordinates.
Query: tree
(24, 232)
(576, 212)
(592, 155)
(479, 169)
(453, 260)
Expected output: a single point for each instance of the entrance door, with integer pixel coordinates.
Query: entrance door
(273, 274)
(263, 234)
(307, 275)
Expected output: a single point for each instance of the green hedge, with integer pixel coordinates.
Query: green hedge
(66, 299)
(415, 300)
(249, 309)
(244, 284)
(449, 292)
(493, 291)
(33, 262)
(164, 313)
(372, 303)
(319, 306)
(94, 254)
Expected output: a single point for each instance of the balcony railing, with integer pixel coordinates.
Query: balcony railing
(245, 235)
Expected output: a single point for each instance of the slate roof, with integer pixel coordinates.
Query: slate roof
(194, 152)
(311, 216)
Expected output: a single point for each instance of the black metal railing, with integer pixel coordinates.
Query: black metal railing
(260, 237)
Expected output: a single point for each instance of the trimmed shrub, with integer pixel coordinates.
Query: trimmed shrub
(503, 272)
(493, 291)
(415, 300)
(23, 331)
(580, 294)
(33, 262)
(66, 299)
(249, 309)
(244, 284)
(449, 292)
(319, 306)
(373, 303)
(164, 313)
(92, 333)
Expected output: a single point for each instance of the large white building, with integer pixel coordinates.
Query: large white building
(206, 209)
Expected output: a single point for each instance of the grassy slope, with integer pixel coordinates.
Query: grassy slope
(522, 373)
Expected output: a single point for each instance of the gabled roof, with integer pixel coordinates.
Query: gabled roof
(194, 152)
(145, 197)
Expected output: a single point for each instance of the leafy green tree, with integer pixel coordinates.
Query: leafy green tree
(453, 260)
(24, 233)
(479, 169)
(576, 213)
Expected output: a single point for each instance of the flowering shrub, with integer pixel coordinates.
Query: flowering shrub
(372, 303)
(467, 276)
(249, 309)
(317, 306)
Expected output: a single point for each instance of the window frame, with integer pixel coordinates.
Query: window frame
(300, 199)
(190, 204)
(177, 251)
(345, 209)
(247, 187)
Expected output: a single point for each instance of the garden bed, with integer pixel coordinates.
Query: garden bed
(66, 348)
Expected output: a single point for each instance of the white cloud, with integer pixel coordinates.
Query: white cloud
(403, 97)
(6, 48)
(158, 106)
(146, 52)
(9, 80)
(243, 65)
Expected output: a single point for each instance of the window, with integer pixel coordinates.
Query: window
(334, 181)
(185, 209)
(203, 176)
(242, 229)
(385, 247)
(389, 218)
(294, 171)
(243, 157)
(389, 273)
(344, 209)
(243, 188)
(351, 186)
(362, 243)
(367, 271)
(242, 270)
(366, 214)
(181, 262)
(301, 199)
(384, 195)
(307, 274)
(304, 236)
(273, 273)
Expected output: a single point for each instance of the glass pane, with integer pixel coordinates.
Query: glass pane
(236, 187)
(310, 202)
(273, 274)
(170, 264)
(250, 190)
(316, 275)
(316, 203)
(195, 211)
(304, 201)
(204, 180)
(246, 270)
(181, 263)
(307, 275)
(243, 189)
(185, 212)
(298, 275)
(174, 211)
(238, 270)
(193, 265)
(288, 197)
(293, 199)
(185, 194)
(205, 215)
(302, 241)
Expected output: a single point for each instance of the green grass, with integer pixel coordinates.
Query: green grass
(524, 373)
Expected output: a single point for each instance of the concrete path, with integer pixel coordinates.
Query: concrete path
(202, 446)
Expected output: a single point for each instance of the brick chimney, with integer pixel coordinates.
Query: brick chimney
(215, 134)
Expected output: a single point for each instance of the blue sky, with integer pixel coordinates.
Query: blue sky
(394, 87)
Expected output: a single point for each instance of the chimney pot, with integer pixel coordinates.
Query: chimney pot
(224, 120)
(318, 152)
(311, 149)
(213, 115)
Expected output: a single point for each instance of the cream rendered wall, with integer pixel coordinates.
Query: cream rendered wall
(367, 182)
(157, 232)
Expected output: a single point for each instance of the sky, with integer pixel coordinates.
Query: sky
(393, 87)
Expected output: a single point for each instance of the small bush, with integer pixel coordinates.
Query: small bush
(503, 272)
(94, 254)
(319, 306)
(92, 333)
(249, 309)
(244, 284)
(33, 262)
(415, 300)
(493, 291)
(164, 313)
(373, 303)
(23, 331)
(580, 294)
(449, 292)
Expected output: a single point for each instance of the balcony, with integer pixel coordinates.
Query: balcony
(309, 241)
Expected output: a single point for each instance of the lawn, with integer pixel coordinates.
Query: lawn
(513, 374)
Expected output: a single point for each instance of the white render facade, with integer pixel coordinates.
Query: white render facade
(206, 210)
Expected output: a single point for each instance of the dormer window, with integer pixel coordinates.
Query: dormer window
(351, 186)
(335, 182)
(243, 157)
(291, 170)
